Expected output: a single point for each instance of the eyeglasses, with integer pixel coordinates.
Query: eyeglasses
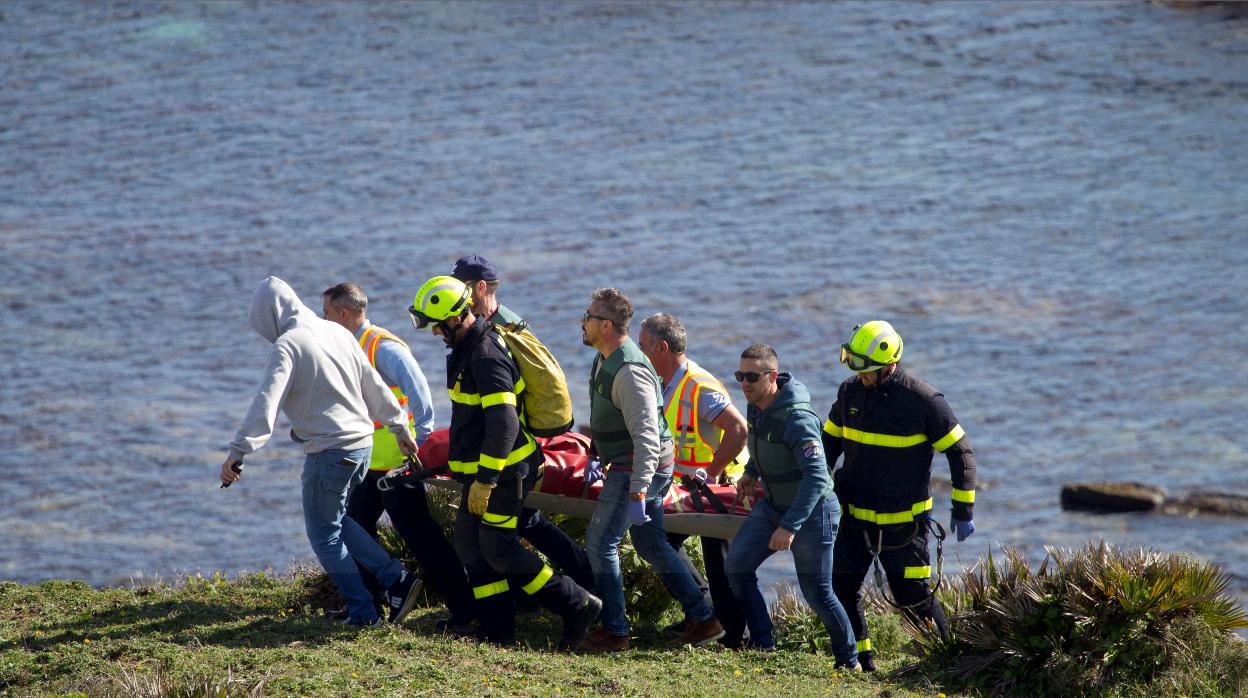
(590, 316)
(750, 376)
(856, 361)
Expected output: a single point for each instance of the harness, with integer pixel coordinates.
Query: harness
(878, 568)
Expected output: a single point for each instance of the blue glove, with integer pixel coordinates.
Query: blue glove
(637, 512)
(593, 471)
(964, 529)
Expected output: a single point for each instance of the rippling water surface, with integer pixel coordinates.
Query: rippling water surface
(1047, 199)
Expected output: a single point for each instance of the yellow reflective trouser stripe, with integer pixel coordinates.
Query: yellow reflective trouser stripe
(498, 399)
(949, 439)
(832, 429)
(890, 518)
(488, 590)
(872, 439)
(461, 466)
(539, 581)
(498, 520)
(864, 645)
(919, 572)
(964, 496)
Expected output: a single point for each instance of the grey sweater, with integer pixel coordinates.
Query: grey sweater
(317, 375)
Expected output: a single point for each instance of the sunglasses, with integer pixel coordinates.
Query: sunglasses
(856, 361)
(590, 316)
(750, 376)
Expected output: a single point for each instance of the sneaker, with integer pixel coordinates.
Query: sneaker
(374, 623)
(601, 641)
(576, 626)
(846, 666)
(676, 628)
(700, 632)
(402, 596)
(866, 660)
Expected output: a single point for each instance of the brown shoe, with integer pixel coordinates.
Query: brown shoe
(700, 632)
(601, 641)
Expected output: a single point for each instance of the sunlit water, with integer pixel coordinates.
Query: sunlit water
(1047, 199)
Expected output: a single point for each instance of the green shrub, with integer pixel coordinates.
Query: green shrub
(1083, 621)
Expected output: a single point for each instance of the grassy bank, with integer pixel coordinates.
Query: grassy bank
(259, 635)
(1092, 622)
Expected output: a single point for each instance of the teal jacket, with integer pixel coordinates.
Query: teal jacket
(786, 448)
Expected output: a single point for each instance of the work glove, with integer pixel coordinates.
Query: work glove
(593, 471)
(964, 529)
(479, 497)
(637, 512)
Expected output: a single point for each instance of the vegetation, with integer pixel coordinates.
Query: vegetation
(1097, 621)
(256, 635)
(1093, 622)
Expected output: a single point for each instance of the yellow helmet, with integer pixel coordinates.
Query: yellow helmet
(440, 298)
(871, 347)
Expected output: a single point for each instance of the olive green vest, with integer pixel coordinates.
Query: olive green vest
(610, 433)
(776, 463)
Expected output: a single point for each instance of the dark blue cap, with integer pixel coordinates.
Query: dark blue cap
(474, 267)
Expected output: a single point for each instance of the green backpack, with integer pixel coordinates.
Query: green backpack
(546, 401)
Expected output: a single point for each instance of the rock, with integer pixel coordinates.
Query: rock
(1111, 496)
(1215, 503)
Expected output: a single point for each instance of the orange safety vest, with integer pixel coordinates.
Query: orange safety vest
(386, 454)
(696, 439)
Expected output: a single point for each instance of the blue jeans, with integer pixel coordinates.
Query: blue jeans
(812, 558)
(338, 541)
(602, 539)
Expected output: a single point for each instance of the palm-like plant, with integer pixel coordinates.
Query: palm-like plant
(1082, 621)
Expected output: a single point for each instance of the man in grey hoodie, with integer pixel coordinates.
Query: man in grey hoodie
(318, 376)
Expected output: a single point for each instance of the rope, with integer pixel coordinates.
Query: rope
(878, 567)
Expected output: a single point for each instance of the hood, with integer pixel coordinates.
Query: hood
(275, 309)
(791, 391)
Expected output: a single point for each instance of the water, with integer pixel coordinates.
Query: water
(1046, 199)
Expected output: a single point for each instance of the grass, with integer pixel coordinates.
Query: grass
(258, 635)
(1091, 622)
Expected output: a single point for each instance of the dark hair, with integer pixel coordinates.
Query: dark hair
(614, 306)
(667, 328)
(763, 353)
(347, 295)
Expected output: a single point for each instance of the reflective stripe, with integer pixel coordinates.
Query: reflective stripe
(498, 399)
(832, 429)
(493, 462)
(864, 645)
(919, 572)
(964, 496)
(890, 518)
(487, 590)
(539, 581)
(490, 400)
(887, 440)
(462, 397)
(498, 520)
(460, 466)
(949, 439)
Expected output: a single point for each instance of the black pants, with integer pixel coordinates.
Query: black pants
(714, 585)
(557, 546)
(499, 565)
(408, 508)
(902, 548)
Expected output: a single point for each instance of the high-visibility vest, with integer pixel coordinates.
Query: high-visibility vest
(696, 439)
(386, 453)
